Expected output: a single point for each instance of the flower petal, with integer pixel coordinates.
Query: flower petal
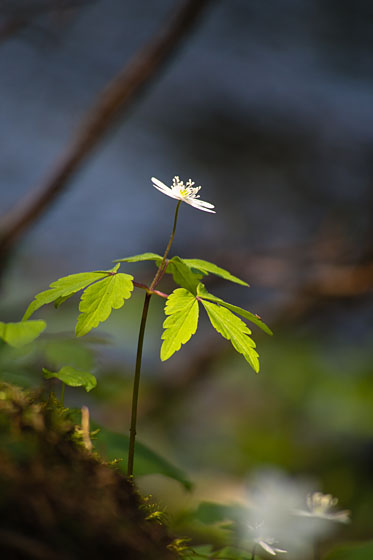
(206, 204)
(158, 184)
(164, 189)
(197, 204)
(265, 546)
(185, 193)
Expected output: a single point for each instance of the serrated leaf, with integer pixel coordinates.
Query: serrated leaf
(100, 298)
(19, 334)
(204, 294)
(142, 257)
(62, 289)
(183, 275)
(72, 377)
(207, 267)
(181, 323)
(59, 301)
(232, 328)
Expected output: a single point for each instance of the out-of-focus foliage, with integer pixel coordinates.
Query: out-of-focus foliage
(279, 124)
(22, 333)
(72, 377)
(114, 447)
(363, 551)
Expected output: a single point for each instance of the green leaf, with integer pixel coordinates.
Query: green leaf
(232, 328)
(209, 268)
(59, 301)
(100, 298)
(183, 275)
(19, 334)
(181, 323)
(62, 289)
(112, 445)
(73, 377)
(142, 257)
(360, 551)
(204, 294)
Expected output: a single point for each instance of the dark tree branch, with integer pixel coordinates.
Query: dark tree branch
(120, 93)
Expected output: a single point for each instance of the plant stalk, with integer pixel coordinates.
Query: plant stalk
(140, 343)
(159, 272)
(136, 385)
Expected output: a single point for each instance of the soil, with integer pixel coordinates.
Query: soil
(58, 501)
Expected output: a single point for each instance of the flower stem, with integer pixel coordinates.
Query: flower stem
(253, 552)
(159, 272)
(140, 343)
(136, 385)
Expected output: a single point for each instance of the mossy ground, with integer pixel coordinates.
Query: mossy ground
(59, 501)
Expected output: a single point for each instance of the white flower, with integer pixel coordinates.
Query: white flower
(274, 502)
(187, 193)
(267, 544)
(321, 506)
(264, 541)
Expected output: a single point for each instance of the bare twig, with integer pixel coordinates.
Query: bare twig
(116, 97)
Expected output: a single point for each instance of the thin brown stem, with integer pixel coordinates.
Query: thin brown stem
(145, 287)
(136, 385)
(118, 96)
(161, 267)
(140, 344)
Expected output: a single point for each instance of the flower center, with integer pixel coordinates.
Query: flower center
(184, 192)
(187, 190)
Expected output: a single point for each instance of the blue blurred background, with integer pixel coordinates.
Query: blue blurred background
(268, 106)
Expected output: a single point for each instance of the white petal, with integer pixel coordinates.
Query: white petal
(173, 193)
(164, 189)
(266, 547)
(206, 204)
(196, 204)
(158, 184)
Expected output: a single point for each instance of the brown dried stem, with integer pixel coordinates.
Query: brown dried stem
(118, 96)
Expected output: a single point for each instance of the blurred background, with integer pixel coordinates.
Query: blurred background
(268, 106)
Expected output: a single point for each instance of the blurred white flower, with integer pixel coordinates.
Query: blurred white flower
(322, 506)
(273, 497)
(184, 192)
(275, 503)
(267, 545)
(264, 541)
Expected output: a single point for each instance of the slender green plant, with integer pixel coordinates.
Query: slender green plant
(271, 522)
(105, 290)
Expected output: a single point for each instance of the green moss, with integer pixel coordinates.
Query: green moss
(59, 501)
